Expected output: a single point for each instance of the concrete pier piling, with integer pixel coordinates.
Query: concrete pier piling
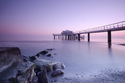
(88, 37)
(109, 36)
(78, 37)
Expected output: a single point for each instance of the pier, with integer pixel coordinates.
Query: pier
(106, 28)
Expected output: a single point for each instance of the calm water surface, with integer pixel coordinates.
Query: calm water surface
(79, 57)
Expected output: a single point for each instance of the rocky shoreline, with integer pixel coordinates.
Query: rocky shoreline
(107, 76)
(16, 68)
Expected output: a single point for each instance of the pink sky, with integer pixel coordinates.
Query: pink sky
(37, 20)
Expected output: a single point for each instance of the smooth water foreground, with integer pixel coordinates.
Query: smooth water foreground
(80, 58)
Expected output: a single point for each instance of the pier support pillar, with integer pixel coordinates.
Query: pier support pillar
(68, 37)
(109, 36)
(88, 37)
(78, 37)
(54, 36)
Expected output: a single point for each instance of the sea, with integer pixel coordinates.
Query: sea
(81, 58)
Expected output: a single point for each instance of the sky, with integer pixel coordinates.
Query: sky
(39, 19)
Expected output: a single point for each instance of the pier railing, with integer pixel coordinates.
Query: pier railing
(114, 26)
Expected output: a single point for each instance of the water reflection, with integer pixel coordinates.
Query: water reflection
(109, 45)
(110, 49)
(89, 47)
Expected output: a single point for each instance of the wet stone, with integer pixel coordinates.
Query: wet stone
(41, 62)
(48, 55)
(9, 55)
(49, 49)
(58, 65)
(25, 59)
(32, 58)
(57, 72)
(42, 76)
(37, 54)
(44, 52)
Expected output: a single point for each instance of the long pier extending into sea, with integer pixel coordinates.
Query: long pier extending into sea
(69, 35)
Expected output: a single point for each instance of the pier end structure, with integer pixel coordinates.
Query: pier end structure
(67, 35)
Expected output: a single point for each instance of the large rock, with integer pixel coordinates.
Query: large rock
(12, 67)
(18, 70)
(37, 54)
(41, 62)
(42, 76)
(25, 58)
(57, 72)
(44, 52)
(32, 58)
(49, 55)
(27, 70)
(8, 56)
(58, 65)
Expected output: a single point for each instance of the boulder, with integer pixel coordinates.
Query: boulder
(44, 52)
(20, 71)
(49, 55)
(9, 55)
(57, 72)
(27, 72)
(32, 76)
(37, 54)
(58, 65)
(25, 59)
(41, 62)
(42, 76)
(12, 67)
(32, 58)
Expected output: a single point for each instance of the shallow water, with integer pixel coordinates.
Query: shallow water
(80, 58)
